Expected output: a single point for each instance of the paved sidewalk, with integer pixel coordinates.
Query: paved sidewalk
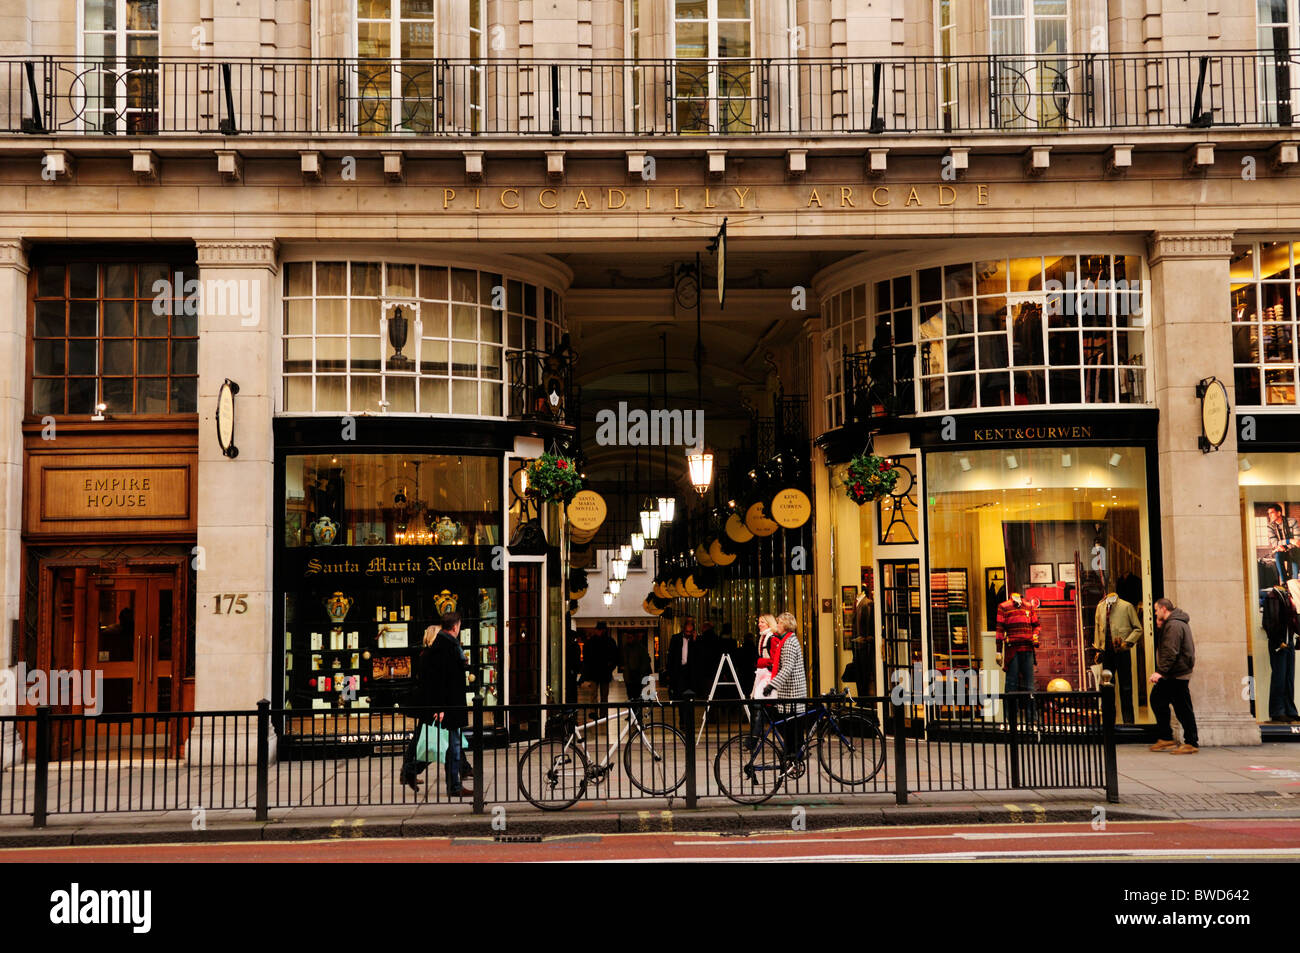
(1238, 782)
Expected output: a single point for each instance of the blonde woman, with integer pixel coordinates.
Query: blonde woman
(790, 681)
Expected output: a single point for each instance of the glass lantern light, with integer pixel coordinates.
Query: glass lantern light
(614, 586)
(700, 463)
(607, 598)
(667, 508)
(618, 569)
(638, 543)
(625, 552)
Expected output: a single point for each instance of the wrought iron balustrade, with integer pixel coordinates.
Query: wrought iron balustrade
(541, 385)
(349, 96)
(878, 384)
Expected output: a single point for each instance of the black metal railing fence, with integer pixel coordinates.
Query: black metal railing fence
(554, 755)
(138, 96)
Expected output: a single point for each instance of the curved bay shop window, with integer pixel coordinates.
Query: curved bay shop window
(1270, 502)
(403, 338)
(1065, 526)
(1264, 294)
(375, 547)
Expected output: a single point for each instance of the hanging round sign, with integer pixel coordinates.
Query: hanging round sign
(702, 555)
(736, 529)
(587, 511)
(791, 508)
(720, 558)
(757, 521)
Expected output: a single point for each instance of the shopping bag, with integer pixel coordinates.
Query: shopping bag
(432, 744)
(761, 678)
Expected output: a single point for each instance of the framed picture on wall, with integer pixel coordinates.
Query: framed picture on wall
(1065, 573)
(995, 592)
(1040, 574)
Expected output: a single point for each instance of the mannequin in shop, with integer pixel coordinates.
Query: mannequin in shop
(1118, 629)
(1017, 638)
(1282, 625)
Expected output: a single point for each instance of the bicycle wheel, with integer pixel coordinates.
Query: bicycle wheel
(748, 776)
(655, 758)
(553, 774)
(851, 748)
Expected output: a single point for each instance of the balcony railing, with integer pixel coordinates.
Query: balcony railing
(878, 384)
(676, 97)
(542, 387)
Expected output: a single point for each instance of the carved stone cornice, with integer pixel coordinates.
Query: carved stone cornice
(238, 254)
(1188, 245)
(13, 254)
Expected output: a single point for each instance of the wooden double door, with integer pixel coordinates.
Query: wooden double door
(127, 625)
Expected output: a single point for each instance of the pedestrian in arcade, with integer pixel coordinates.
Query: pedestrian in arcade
(790, 680)
(1172, 679)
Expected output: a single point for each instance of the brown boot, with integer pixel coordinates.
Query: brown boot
(1184, 749)
(1164, 745)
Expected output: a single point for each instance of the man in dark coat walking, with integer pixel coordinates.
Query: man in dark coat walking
(1175, 659)
(441, 688)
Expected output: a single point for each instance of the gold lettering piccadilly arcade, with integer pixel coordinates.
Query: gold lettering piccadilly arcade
(1077, 432)
(596, 198)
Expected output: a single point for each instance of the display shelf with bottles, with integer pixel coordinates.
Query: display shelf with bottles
(359, 650)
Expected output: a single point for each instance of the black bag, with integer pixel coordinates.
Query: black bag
(850, 673)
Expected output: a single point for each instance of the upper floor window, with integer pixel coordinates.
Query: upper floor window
(946, 27)
(393, 95)
(119, 334)
(1029, 43)
(1278, 26)
(1060, 329)
(1264, 292)
(714, 81)
(118, 78)
(346, 349)
(1056, 329)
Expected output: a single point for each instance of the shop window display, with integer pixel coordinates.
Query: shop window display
(1263, 294)
(1065, 529)
(1270, 500)
(376, 547)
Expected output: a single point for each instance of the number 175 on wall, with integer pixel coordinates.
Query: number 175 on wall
(235, 603)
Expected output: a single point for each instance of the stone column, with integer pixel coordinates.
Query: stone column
(238, 330)
(13, 372)
(1200, 516)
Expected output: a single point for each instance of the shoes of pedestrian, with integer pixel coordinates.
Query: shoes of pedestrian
(1184, 749)
(466, 771)
(465, 791)
(1164, 745)
(412, 782)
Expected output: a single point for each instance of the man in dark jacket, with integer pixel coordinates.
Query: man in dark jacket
(681, 661)
(1175, 659)
(441, 688)
(599, 659)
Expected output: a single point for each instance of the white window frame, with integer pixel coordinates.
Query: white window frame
(945, 69)
(714, 62)
(395, 57)
(1028, 54)
(1266, 80)
(120, 33)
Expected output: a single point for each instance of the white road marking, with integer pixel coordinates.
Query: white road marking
(732, 842)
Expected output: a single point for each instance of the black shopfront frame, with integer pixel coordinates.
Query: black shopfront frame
(1028, 429)
(295, 436)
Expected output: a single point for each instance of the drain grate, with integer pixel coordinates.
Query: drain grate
(517, 838)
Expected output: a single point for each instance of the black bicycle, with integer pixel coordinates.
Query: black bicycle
(751, 767)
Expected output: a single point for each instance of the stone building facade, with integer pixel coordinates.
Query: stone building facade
(901, 181)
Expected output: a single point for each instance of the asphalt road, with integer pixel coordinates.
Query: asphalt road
(1208, 840)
